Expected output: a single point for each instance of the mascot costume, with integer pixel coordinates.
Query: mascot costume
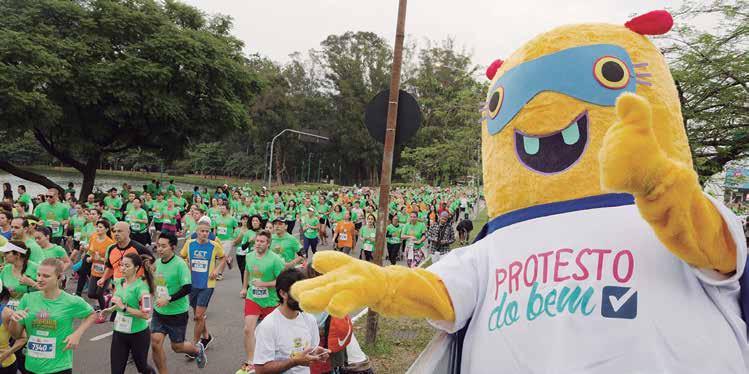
(603, 254)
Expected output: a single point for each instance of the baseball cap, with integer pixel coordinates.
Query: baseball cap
(10, 247)
(278, 219)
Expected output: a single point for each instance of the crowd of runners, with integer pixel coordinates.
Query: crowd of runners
(149, 260)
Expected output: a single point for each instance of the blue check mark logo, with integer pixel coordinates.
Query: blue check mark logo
(619, 302)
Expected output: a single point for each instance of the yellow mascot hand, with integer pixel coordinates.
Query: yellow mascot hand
(667, 193)
(348, 284)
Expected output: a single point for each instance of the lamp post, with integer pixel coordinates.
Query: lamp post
(273, 141)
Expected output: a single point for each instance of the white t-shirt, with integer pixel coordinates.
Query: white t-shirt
(592, 290)
(277, 337)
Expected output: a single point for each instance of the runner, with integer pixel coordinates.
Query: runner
(54, 214)
(9, 348)
(5, 218)
(99, 243)
(138, 220)
(132, 300)
(172, 279)
(19, 274)
(21, 231)
(243, 240)
(286, 245)
(50, 250)
(310, 227)
(368, 233)
(291, 213)
(393, 235)
(288, 339)
(344, 233)
(24, 197)
(224, 226)
(258, 289)
(113, 203)
(201, 255)
(123, 245)
(414, 235)
(47, 319)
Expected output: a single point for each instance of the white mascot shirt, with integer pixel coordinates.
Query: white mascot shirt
(585, 286)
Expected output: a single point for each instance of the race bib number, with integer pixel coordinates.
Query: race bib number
(123, 323)
(259, 292)
(410, 245)
(157, 215)
(13, 304)
(41, 347)
(221, 230)
(343, 236)
(135, 226)
(98, 267)
(200, 266)
(368, 247)
(162, 292)
(54, 225)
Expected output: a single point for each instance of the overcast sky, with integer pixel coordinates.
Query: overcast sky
(489, 29)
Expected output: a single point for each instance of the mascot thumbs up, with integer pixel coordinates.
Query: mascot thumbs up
(603, 254)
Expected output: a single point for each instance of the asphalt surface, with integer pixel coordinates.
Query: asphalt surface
(225, 321)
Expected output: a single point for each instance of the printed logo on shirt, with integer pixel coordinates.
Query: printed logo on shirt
(564, 281)
(43, 322)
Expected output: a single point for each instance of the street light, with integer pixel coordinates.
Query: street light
(273, 141)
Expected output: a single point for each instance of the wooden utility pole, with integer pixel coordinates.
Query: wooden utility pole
(387, 156)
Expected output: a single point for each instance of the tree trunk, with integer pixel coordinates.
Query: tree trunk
(89, 176)
(29, 175)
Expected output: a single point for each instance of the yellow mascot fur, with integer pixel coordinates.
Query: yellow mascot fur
(603, 255)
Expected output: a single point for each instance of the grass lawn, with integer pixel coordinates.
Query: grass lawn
(399, 342)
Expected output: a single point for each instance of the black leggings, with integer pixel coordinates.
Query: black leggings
(96, 292)
(83, 274)
(367, 255)
(393, 251)
(12, 369)
(125, 344)
(240, 266)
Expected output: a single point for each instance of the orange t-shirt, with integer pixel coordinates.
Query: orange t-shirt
(97, 249)
(346, 232)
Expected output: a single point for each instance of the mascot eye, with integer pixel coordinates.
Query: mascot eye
(495, 101)
(611, 72)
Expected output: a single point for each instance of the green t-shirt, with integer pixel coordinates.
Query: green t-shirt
(336, 216)
(169, 277)
(36, 253)
(78, 223)
(130, 296)
(394, 234)
(248, 236)
(13, 284)
(169, 215)
(53, 215)
(224, 226)
(137, 227)
(48, 324)
(55, 251)
(113, 204)
(158, 209)
(286, 246)
(109, 216)
(88, 230)
(26, 198)
(190, 225)
(312, 221)
(418, 230)
(368, 234)
(213, 213)
(265, 269)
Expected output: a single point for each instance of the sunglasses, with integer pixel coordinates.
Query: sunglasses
(49, 196)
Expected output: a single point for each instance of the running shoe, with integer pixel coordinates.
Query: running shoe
(219, 276)
(189, 356)
(208, 341)
(247, 368)
(201, 359)
(229, 264)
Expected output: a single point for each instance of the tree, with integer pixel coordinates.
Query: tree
(95, 77)
(711, 70)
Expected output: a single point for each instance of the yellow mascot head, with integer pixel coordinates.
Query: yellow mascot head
(550, 104)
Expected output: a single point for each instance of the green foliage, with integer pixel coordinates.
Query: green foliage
(711, 69)
(94, 77)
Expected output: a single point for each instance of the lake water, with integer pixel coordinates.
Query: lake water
(62, 178)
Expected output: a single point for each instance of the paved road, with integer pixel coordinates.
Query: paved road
(225, 322)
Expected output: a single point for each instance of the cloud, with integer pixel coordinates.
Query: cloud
(488, 29)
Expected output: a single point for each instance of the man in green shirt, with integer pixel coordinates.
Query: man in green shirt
(137, 218)
(285, 244)
(21, 231)
(24, 197)
(113, 203)
(224, 226)
(173, 285)
(310, 227)
(54, 214)
(261, 270)
(414, 233)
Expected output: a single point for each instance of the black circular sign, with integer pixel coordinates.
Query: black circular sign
(409, 116)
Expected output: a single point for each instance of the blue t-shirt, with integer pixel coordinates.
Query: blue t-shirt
(201, 258)
(6, 234)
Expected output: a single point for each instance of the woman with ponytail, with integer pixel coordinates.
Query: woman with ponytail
(133, 302)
